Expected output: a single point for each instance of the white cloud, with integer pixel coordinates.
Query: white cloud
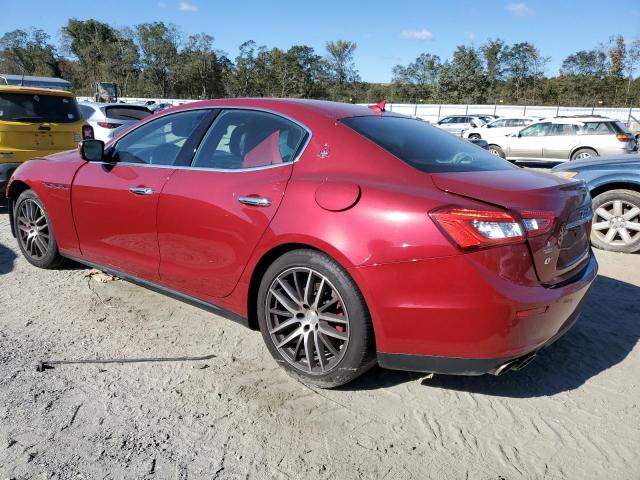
(187, 7)
(518, 9)
(423, 35)
(470, 35)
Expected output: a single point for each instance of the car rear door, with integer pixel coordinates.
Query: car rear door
(115, 202)
(560, 142)
(212, 215)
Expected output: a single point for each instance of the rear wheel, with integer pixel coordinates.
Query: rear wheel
(583, 153)
(496, 150)
(616, 221)
(33, 229)
(474, 136)
(314, 320)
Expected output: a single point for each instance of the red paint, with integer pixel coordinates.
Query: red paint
(359, 204)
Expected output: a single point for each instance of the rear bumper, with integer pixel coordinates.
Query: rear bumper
(455, 315)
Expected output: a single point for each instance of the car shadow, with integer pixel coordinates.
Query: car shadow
(7, 259)
(606, 332)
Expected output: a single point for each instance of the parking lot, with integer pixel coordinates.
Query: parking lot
(574, 413)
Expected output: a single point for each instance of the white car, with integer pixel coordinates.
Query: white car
(456, 124)
(109, 119)
(499, 127)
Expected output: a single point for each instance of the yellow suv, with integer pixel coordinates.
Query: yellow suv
(35, 122)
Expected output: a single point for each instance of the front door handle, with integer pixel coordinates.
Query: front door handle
(255, 201)
(141, 190)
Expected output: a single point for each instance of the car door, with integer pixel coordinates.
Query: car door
(115, 202)
(528, 143)
(212, 215)
(560, 141)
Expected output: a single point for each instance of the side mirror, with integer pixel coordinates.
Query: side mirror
(92, 150)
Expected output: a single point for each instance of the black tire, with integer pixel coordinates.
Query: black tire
(474, 136)
(354, 357)
(604, 202)
(51, 257)
(584, 153)
(496, 150)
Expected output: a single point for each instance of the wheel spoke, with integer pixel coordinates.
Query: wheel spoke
(321, 358)
(328, 345)
(296, 351)
(624, 235)
(284, 302)
(610, 235)
(291, 336)
(600, 226)
(634, 212)
(318, 295)
(307, 288)
(328, 304)
(604, 213)
(633, 226)
(330, 317)
(41, 245)
(291, 293)
(332, 332)
(308, 351)
(617, 208)
(284, 325)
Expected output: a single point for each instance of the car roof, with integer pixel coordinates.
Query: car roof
(34, 90)
(287, 106)
(576, 120)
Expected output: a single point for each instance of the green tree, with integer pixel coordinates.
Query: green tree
(419, 79)
(494, 52)
(341, 72)
(463, 78)
(524, 66)
(200, 68)
(28, 53)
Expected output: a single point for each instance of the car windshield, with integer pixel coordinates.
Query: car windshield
(424, 147)
(29, 107)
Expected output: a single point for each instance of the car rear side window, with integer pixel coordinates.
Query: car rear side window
(563, 129)
(30, 107)
(598, 128)
(424, 147)
(241, 139)
(126, 113)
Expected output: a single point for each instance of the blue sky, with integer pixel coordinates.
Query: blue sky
(387, 32)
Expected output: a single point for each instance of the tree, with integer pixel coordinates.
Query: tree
(158, 44)
(617, 58)
(341, 71)
(419, 79)
(463, 79)
(199, 69)
(494, 52)
(28, 53)
(524, 64)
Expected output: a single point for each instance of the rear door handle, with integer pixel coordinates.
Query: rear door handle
(255, 201)
(141, 190)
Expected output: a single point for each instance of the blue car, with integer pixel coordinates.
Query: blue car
(614, 183)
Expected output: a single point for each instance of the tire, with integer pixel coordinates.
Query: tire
(583, 153)
(474, 136)
(496, 150)
(350, 350)
(620, 233)
(34, 233)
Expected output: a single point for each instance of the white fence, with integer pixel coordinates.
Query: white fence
(434, 112)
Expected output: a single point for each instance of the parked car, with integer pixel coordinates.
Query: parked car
(108, 120)
(614, 184)
(499, 127)
(347, 236)
(36, 122)
(565, 138)
(456, 124)
(488, 117)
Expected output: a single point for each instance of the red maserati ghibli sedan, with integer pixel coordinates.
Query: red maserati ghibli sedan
(347, 235)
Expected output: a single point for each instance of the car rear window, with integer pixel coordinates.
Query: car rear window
(424, 147)
(127, 113)
(29, 107)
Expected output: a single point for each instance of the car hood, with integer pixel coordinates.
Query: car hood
(609, 162)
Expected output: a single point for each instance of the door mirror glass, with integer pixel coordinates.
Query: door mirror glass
(92, 150)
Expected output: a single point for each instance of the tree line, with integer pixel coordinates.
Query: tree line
(156, 60)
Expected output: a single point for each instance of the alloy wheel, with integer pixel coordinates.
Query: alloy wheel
(307, 320)
(33, 229)
(583, 155)
(617, 222)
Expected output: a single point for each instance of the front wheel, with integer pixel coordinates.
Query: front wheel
(33, 229)
(616, 221)
(496, 150)
(314, 320)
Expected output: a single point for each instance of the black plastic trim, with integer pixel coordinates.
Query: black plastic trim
(444, 365)
(196, 302)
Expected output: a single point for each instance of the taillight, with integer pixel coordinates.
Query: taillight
(473, 229)
(623, 137)
(536, 222)
(87, 132)
(109, 125)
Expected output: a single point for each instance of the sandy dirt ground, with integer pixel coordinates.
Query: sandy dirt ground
(572, 414)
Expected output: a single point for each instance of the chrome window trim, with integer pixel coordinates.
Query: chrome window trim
(301, 151)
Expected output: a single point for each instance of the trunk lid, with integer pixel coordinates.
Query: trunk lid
(40, 136)
(557, 253)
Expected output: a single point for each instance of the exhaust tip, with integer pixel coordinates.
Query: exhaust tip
(513, 365)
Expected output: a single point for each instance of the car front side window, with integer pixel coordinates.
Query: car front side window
(242, 139)
(159, 141)
(536, 130)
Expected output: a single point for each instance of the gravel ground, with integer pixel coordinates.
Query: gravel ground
(574, 413)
